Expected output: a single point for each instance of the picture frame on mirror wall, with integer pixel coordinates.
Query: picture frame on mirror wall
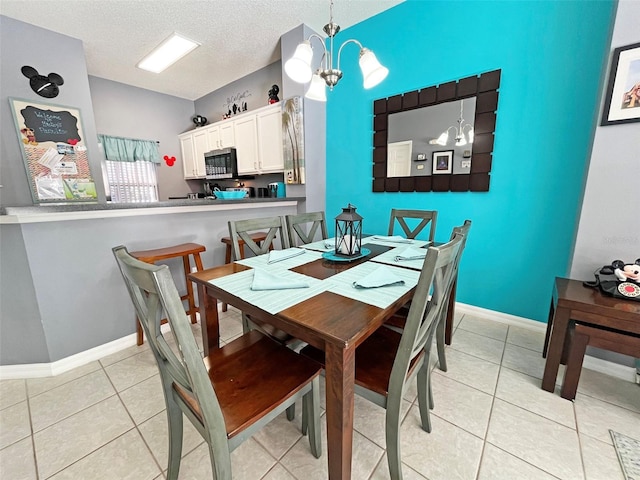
(622, 99)
(442, 162)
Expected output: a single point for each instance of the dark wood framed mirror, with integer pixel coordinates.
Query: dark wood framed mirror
(471, 171)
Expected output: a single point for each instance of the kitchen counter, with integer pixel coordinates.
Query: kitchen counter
(62, 293)
(79, 211)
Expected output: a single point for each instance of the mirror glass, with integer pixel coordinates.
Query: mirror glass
(416, 137)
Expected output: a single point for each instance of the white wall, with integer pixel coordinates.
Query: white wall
(609, 225)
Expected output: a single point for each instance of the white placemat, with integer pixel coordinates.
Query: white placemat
(272, 301)
(261, 261)
(321, 245)
(382, 297)
(389, 258)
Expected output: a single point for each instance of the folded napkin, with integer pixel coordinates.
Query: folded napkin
(393, 238)
(263, 280)
(411, 253)
(380, 277)
(279, 255)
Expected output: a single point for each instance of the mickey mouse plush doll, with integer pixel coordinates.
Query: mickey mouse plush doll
(627, 272)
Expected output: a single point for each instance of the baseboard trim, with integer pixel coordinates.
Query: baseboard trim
(38, 370)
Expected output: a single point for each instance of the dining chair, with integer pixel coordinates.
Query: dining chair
(426, 217)
(243, 229)
(274, 227)
(234, 390)
(305, 226)
(387, 360)
(397, 322)
(448, 309)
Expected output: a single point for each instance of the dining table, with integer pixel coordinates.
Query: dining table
(329, 313)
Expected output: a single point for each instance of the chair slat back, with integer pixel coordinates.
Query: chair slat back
(426, 217)
(427, 303)
(464, 231)
(154, 295)
(299, 228)
(242, 229)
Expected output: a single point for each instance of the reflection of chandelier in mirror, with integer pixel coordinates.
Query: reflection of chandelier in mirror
(298, 67)
(460, 130)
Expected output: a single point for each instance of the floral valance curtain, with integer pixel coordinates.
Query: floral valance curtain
(119, 149)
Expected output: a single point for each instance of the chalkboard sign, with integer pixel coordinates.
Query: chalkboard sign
(54, 152)
(50, 126)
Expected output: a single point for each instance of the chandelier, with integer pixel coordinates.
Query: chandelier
(460, 131)
(298, 67)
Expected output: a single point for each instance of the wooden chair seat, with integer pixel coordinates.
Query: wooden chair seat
(246, 389)
(257, 237)
(374, 360)
(183, 250)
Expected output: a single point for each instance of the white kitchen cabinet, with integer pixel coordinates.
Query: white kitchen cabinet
(270, 157)
(246, 133)
(258, 138)
(193, 145)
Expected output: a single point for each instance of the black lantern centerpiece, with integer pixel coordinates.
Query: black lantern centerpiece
(348, 233)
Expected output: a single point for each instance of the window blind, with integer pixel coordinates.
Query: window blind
(132, 182)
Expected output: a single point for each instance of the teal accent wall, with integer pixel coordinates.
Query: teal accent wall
(553, 56)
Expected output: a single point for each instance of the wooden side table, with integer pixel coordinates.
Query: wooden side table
(571, 304)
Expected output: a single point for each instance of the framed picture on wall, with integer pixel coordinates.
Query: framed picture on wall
(622, 101)
(442, 162)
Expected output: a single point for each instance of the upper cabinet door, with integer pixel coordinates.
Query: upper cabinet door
(188, 156)
(246, 144)
(227, 135)
(200, 146)
(270, 140)
(213, 134)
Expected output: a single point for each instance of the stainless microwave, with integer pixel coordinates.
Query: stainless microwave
(221, 164)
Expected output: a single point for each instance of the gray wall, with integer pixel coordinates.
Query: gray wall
(256, 87)
(125, 111)
(609, 228)
(24, 44)
(21, 328)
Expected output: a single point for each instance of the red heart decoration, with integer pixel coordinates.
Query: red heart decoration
(72, 141)
(169, 160)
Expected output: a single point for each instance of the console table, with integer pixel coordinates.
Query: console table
(610, 323)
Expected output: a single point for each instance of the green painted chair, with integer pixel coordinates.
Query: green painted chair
(426, 218)
(397, 321)
(304, 227)
(448, 309)
(387, 361)
(233, 391)
(274, 227)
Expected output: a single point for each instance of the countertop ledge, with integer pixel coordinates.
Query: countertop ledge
(80, 211)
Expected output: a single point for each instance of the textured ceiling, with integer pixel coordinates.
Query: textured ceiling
(238, 37)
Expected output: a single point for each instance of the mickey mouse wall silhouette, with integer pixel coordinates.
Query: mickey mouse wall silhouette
(45, 86)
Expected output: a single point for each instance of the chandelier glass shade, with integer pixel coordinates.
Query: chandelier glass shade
(463, 133)
(299, 68)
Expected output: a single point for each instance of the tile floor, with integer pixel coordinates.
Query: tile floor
(491, 420)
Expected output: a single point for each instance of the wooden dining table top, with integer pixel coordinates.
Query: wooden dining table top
(328, 320)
